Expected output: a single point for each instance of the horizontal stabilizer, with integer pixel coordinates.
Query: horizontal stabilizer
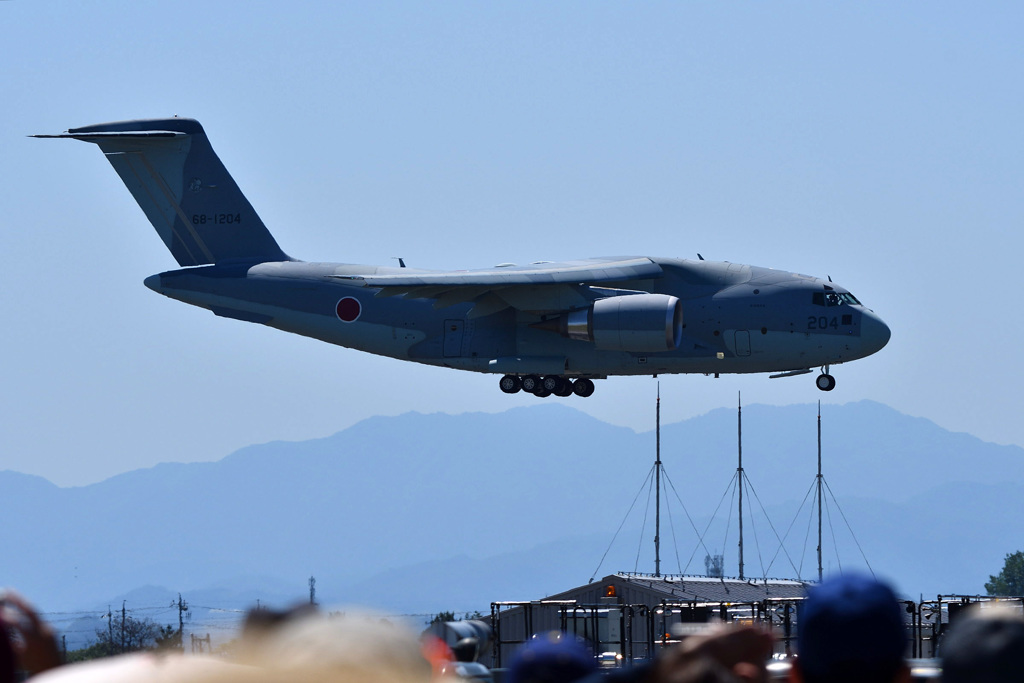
(93, 137)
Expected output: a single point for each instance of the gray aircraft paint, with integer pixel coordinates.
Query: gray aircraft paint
(555, 319)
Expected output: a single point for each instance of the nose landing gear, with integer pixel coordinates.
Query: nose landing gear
(825, 381)
(546, 386)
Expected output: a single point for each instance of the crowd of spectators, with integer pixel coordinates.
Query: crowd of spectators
(850, 628)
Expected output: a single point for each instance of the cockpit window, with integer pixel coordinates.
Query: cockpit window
(833, 298)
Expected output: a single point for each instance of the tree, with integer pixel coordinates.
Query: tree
(94, 651)
(1010, 581)
(442, 617)
(130, 634)
(168, 638)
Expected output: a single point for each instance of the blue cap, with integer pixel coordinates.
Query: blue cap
(848, 623)
(553, 657)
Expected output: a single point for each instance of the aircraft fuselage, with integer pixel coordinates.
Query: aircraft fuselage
(736, 319)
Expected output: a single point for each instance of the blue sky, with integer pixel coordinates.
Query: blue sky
(880, 144)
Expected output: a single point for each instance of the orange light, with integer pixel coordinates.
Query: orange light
(609, 591)
(437, 652)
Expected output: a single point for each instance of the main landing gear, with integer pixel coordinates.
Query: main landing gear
(825, 381)
(547, 385)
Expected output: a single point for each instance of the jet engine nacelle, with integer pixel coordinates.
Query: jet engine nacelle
(635, 322)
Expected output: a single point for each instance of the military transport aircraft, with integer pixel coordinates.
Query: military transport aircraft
(547, 328)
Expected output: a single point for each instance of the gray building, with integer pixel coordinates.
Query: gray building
(628, 617)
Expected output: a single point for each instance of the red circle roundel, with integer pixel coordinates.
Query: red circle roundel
(348, 309)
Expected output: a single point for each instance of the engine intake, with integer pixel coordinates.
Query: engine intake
(635, 322)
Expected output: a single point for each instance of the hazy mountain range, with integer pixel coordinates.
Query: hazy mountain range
(421, 513)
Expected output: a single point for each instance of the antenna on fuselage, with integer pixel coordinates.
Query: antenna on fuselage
(401, 261)
(699, 256)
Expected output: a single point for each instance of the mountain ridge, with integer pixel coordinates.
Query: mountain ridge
(528, 499)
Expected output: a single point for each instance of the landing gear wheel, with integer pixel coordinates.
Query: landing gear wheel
(565, 389)
(825, 382)
(510, 384)
(583, 387)
(541, 392)
(552, 383)
(531, 384)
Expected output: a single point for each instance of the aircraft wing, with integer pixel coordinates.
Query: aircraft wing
(577, 272)
(536, 287)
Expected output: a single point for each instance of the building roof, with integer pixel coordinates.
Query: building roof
(649, 589)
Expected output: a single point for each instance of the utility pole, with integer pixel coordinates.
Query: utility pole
(110, 632)
(657, 485)
(123, 614)
(312, 590)
(182, 614)
(182, 606)
(739, 469)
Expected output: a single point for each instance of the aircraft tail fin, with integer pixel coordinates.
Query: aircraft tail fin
(179, 182)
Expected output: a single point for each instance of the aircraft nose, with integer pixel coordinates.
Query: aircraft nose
(874, 333)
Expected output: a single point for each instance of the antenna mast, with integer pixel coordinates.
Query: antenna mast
(819, 491)
(657, 480)
(739, 469)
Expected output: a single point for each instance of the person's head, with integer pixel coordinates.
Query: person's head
(703, 669)
(850, 628)
(8, 660)
(721, 654)
(984, 646)
(553, 657)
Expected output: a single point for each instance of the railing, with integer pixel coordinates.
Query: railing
(634, 631)
(637, 632)
(930, 619)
